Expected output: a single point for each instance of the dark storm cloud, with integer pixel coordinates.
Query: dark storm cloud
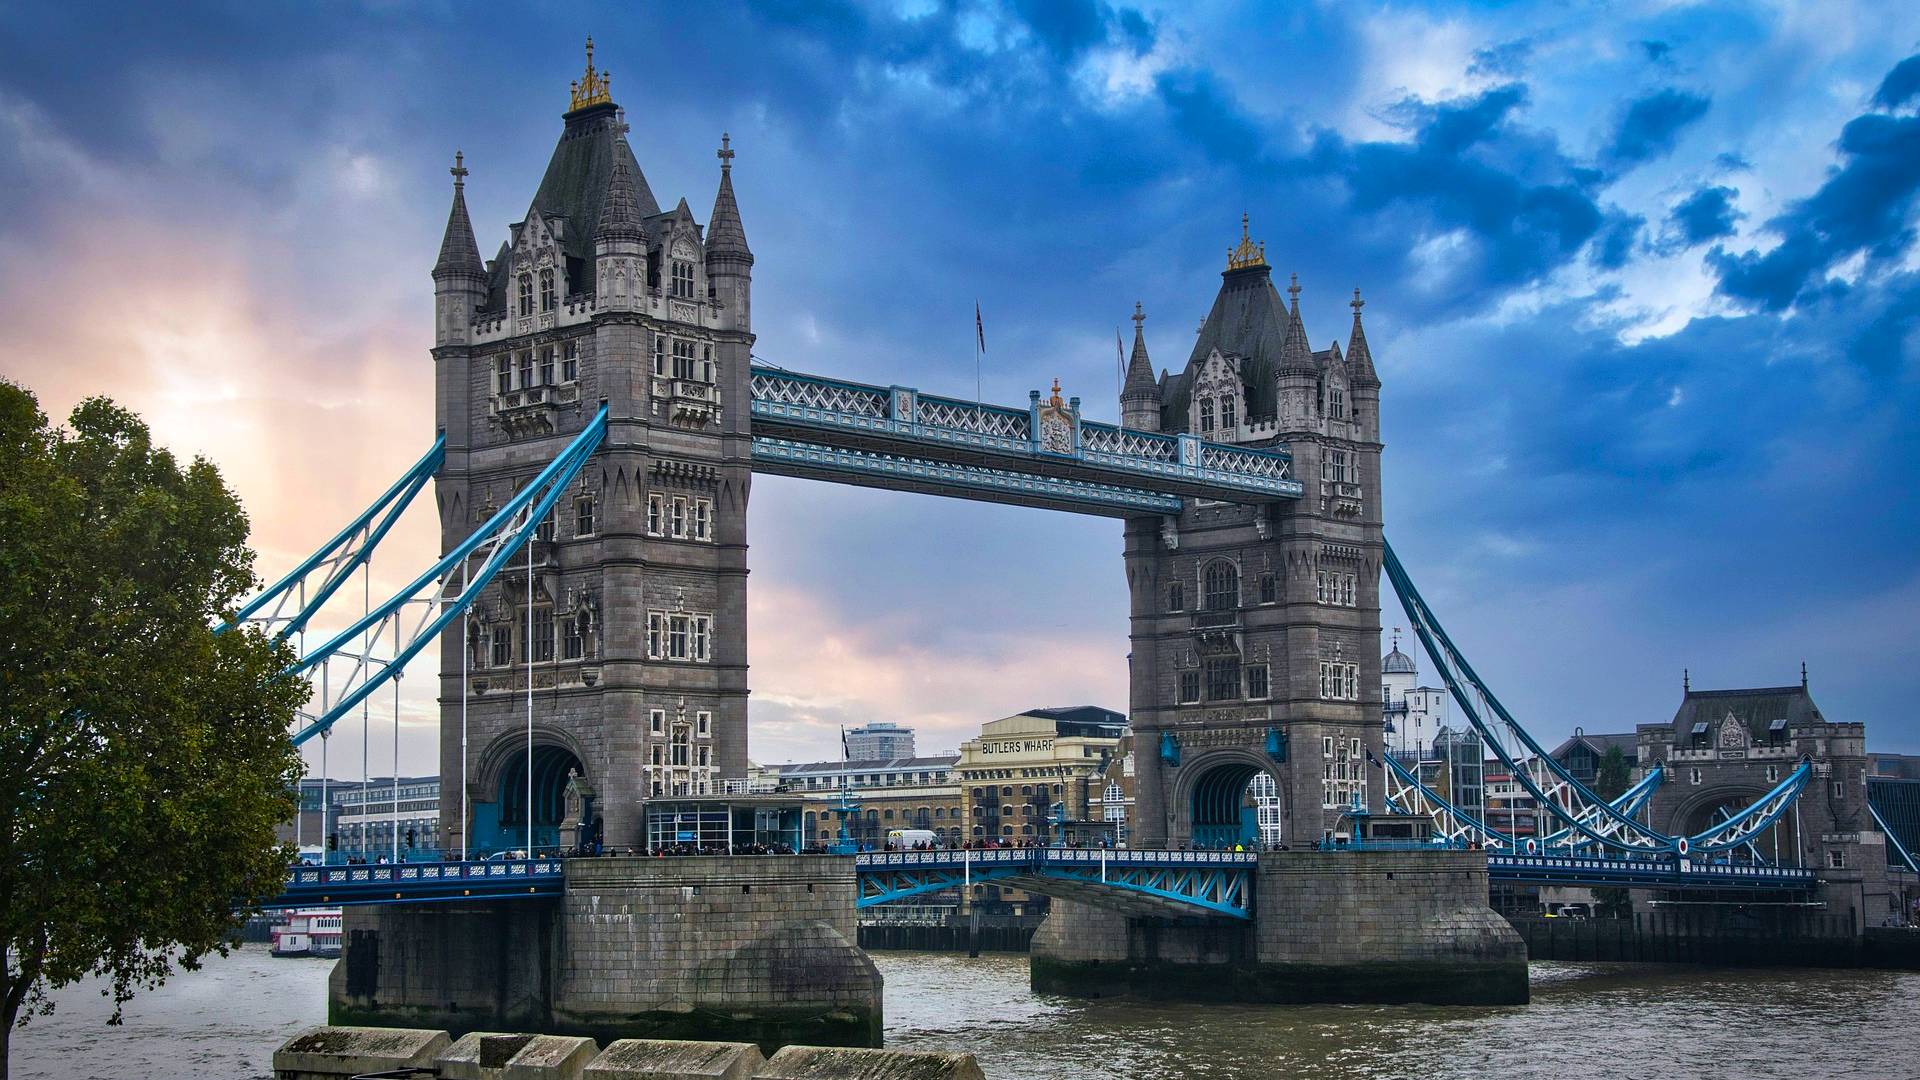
(1707, 214)
(1865, 206)
(1651, 125)
(1901, 84)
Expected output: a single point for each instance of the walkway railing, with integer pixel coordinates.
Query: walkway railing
(413, 883)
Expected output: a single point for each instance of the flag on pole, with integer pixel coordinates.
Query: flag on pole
(979, 328)
(1120, 352)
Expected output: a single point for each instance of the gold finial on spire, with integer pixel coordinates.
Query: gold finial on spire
(1055, 399)
(1248, 255)
(591, 88)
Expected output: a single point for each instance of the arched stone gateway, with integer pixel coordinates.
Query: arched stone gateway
(500, 819)
(1217, 800)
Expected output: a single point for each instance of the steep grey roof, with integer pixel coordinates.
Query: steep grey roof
(1757, 708)
(725, 234)
(573, 189)
(1359, 357)
(459, 251)
(1247, 320)
(1140, 382)
(620, 212)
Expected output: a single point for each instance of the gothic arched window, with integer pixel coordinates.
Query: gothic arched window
(526, 294)
(1206, 415)
(546, 290)
(1176, 597)
(1222, 586)
(1227, 412)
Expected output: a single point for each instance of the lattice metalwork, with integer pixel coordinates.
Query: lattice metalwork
(814, 459)
(975, 419)
(413, 883)
(810, 393)
(1142, 445)
(1231, 459)
(1216, 882)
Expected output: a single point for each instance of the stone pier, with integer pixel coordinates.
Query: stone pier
(1374, 927)
(755, 949)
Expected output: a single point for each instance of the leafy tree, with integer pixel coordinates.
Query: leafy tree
(144, 760)
(1612, 782)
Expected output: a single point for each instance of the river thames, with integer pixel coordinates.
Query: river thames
(1620, 1022)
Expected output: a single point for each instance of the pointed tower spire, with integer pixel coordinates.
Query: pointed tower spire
(725, 234)
(1296, 356)
(1140, 394)
(459, 252)
(620, 215)
(1359, 357)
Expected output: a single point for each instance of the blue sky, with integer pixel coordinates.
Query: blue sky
(1643, 288)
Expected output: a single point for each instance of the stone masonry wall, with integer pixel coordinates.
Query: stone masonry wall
(1329, 927)
(692, 946)
(754, 948)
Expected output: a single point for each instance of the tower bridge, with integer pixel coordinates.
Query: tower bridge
(597, 424)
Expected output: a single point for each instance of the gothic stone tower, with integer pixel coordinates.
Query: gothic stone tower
(1256, 630)
(637, 648)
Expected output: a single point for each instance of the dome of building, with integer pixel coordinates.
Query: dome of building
(1397, 663)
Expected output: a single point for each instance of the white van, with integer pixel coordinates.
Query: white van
(906, 839)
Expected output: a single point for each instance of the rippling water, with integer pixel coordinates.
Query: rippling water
(1620, 1022)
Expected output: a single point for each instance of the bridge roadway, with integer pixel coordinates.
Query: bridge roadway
(1137, 882)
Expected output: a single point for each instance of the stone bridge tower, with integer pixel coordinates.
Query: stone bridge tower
(1725, 749)
(635, 646)
(1256, 630)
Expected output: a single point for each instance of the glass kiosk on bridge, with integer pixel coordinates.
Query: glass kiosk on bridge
(727, 822)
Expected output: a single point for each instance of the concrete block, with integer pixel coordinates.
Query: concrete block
(848, 1063)
(663, 1059)
(322, 1053)
(551, 1057)
(478, 1055)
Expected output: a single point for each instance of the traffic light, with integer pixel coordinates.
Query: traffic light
(409, 838)
(333, 841)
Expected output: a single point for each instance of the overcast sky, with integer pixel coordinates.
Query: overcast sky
(1642, 278)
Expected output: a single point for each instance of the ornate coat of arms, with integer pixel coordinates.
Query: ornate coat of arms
(1056, 424)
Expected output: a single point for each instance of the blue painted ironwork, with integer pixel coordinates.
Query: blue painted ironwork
(340, 555)
(814, 459)
(899, 424)
(1663, 871)
(1208, 882)
(1589, 815)
(1894, 843)
(504, 534)
(419, 883)
(1169, 748)
(1457, 826)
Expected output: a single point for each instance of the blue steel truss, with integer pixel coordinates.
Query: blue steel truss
(1205, 882)
(442, 592)
(1555, 789)
(420, 883)
(1456, 827)
(1898, 850)
(852, 431)
(338, 558)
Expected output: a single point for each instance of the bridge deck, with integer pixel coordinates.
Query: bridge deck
(1655, 873)
(418, 883)
(806, 425)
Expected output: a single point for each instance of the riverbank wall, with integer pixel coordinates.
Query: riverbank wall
(952, 933)
(1725, 937)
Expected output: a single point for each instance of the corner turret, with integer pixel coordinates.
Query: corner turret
(619, 240)
(459, 277)
(729, 260)
(1364, 380)
(1140, 395)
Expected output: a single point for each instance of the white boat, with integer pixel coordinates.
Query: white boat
(308, 932)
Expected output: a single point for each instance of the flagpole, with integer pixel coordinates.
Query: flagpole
(979, 350)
